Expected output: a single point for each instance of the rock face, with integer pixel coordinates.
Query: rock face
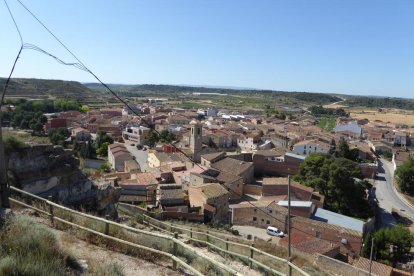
(47, 170)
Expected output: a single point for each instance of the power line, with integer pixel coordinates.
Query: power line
(80, 65)
(14, 21)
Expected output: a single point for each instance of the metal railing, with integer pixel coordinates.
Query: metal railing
(148, 242)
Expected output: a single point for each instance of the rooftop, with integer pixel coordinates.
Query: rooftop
(232, 166)
(211, 190)
(295, 155)
(338, 219)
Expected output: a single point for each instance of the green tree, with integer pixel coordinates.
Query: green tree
(390, 244)
(338, 179)
(103, 137)
(167, 136)
(58, 136)
(345, 152)
(103, 149)
(405, 176)
(153, 138)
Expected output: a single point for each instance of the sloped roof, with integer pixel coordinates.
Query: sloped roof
(338, 219)
(212, 156)
(211, 190)
(232, 166)
(377, 268)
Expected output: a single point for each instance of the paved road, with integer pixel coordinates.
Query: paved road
(388, 196)
(141, 156)
(245, 230)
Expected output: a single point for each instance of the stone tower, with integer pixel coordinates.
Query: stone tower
(196, 139)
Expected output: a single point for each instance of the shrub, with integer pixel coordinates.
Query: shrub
(29, 248)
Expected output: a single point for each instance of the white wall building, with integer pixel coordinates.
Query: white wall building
(310, 146)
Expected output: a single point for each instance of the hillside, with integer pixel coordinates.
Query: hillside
(42, 89)
(170, 90)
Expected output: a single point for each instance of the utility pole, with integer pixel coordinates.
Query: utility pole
(289, 228)
(4, 190)
(370, 256)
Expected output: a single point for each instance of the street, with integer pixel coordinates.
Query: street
(140, 156)
(387, 195)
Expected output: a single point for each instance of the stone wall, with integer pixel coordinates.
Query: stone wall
(337, 267)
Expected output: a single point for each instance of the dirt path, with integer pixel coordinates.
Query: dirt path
(96, 256)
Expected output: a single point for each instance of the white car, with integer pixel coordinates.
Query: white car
(273, 231)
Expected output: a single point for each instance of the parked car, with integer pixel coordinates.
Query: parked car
(273, 231)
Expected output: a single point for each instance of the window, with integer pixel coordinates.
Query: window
(254, 218)
(262, 220)
(267, 222)
(270, 211)
(255, 210)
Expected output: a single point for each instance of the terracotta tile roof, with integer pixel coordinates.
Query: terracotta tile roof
(212, 156)
(377, 268)
(309, 244)
(232, 166)
(146, 178)
(211, 190)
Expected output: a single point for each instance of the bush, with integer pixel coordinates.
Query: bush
(29, 248)
(12, 144)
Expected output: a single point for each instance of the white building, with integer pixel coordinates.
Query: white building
(310, 146)
(351, 127)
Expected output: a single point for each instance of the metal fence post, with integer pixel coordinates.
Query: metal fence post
(106, 225)
(191, 233)
(208, 240)
(175, 249)
(51, 210)
(172, 228)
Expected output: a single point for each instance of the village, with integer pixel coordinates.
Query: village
(227, 169)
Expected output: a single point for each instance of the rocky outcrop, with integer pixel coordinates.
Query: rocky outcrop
(48, 170)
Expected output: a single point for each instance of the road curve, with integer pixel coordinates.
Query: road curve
(386, 193)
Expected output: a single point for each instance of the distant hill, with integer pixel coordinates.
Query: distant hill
(380, 102)
(170, 90)
(42, 88)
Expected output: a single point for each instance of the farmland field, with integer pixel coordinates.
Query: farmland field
(393, 116)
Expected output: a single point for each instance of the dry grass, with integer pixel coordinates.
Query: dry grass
(30, 248)
(394, 116)
(26, 137)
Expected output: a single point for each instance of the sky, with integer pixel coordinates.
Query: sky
(332, 46)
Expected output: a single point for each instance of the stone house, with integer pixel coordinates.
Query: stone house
(233, 183)
(278, 186)
(213, 199)
(81, 134)
(236, 167)
(170, 195)
(209, 158)
(117, 155)
(276, 163)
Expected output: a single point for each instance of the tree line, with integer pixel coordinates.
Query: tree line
(26, 114)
